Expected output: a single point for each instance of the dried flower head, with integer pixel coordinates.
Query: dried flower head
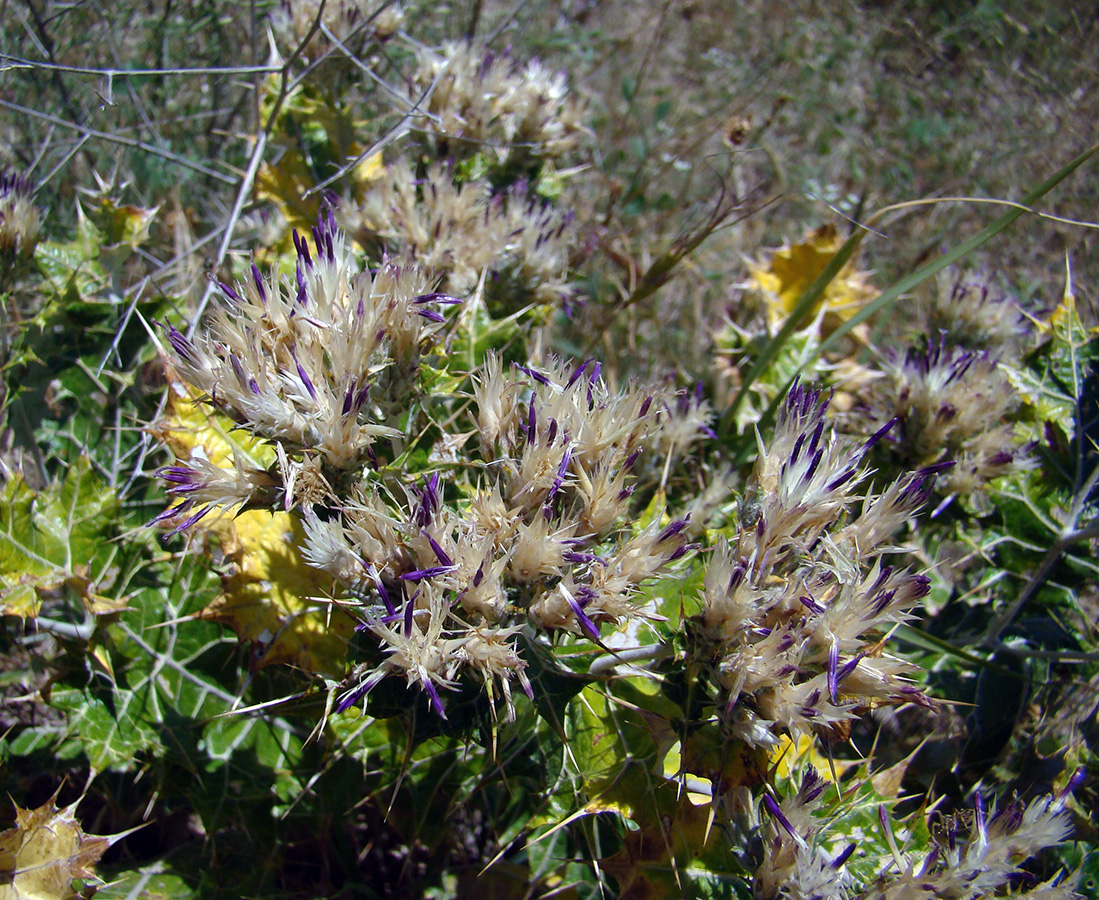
(973, 312)
(318, 364)
(969, 857)
(980, 860)
(19, 220)
(684, 422)
(792, 612)
(350, 24)
(462, 231)
(541, 541)
(483, 102)
(795, 863)
(951, 403)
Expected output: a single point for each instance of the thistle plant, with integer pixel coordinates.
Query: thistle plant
(509, 619)
(443, 566)
(473, 520)
(974, 312)
(484, 518)
(954, 403)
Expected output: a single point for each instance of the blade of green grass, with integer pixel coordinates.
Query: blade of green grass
(932, 644)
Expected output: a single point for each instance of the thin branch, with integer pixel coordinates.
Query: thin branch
(256, 159)
(114, 138)
(8, 62)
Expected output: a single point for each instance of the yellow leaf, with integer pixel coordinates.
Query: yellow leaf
(286, 185)
(271, 598)
(128, 225)
(21, 598)
(794, 268)
(274, 600)
(790, 757)
(289, 183)
(369, 170)
(188, 426)
(45, 851)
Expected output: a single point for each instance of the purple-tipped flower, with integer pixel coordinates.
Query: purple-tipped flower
(586, 624)
(833, 672)
(429, 501)
(190, 520)
(383, 592)
(562, 470)
(879, 434)
(430, 572)
(578, 373)
(845, 854)
(810, 604)
(847, 668)
(431, 315)
(229, 292)
(19, 219)
(409, 613)
(883, 821)
(775, 810)
(324, 235)
(183, 478)
(261, 288)
(812, 786)
(1077, 778)
(436, 297)
(593, 378)
(540, 377)
(302, 295)
(672, 529)
(304, 257)
(433, 695)
(440, 553)
(303, 376)
(183, 347)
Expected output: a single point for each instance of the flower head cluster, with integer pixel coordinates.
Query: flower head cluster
(687, 420)
(461, 231)
(972, 313)
(518, 520)
(792, 610)
(969, 857)
(975, 861)
(19, 220)
(350, 23)
(795, 864)
(481, 102)
(951, 403)
(539, 542)
(318, 364)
